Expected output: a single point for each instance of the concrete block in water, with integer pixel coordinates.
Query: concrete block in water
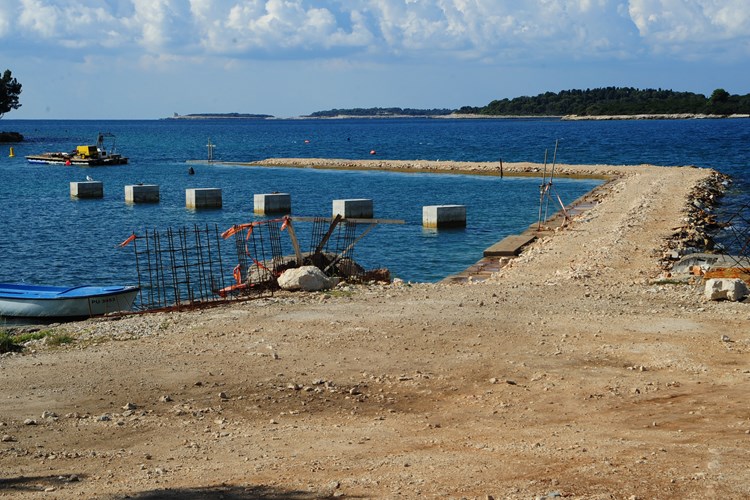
(273, 203)
(203, 198)
(87, 189)
(353, 208)
(142, 193)
(444, 216)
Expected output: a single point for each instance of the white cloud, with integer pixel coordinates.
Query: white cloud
(480, 30)
(696, 21)
(38, 18)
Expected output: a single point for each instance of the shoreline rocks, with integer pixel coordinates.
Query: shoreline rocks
(9, 137)
(697, 233)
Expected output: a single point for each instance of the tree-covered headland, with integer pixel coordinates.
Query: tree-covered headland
(615, 101)
(10, 90)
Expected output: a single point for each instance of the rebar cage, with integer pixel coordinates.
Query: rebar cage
(186, 267)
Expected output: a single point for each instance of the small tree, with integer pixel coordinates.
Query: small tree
(10, 89)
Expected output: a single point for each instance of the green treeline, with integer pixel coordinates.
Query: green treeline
(380, 112)
(616, 101)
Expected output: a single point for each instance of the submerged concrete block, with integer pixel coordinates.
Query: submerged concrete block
(142, 193)
(444, 216)
(358, 208)
(87, 189)
(273, 203)
(203, 198)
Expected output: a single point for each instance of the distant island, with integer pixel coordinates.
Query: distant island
(623, 103)
(205, 116)
(379, 113)
(616, 101)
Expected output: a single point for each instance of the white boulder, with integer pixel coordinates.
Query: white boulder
(306, 278)
(732, 289)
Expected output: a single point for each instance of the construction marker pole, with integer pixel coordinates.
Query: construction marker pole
(552, 175)
(542, 187)
(501, 168)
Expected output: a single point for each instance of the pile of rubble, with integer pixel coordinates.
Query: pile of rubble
(688, 250)
(695, 235)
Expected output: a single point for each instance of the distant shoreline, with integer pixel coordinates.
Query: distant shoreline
(672, 116)
(220, 116)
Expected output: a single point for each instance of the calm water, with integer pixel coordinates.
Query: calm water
(49, 238)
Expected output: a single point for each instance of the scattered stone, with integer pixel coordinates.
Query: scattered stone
(732, 289)
(104, 418)
(49, 414)
(223, 396)
(7, 439)
(129, 406)
(725, 338)
(29, 421)
(166, 398)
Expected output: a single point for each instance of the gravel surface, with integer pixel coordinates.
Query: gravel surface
(576, 371)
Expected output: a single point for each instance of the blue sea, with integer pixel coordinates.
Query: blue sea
(47, 237)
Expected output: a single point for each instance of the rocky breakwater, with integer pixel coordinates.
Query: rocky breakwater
(700, 224)
(458, 167)
(10, 137)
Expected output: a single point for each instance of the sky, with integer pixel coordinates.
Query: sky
(145, 59)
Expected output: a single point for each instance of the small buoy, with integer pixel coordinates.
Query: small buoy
(307, 141)
(67, 163)
(12, 154)
(191, 171)
(372, 152)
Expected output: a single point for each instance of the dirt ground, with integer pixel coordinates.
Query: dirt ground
(571, 373)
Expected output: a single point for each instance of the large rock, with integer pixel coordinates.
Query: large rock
(733, 289)
(306, 278)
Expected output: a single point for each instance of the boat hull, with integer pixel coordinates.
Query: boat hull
(55, 159)
(40, 301)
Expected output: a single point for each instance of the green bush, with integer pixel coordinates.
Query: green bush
(14, 343)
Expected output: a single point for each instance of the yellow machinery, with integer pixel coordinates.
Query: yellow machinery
(87, 152)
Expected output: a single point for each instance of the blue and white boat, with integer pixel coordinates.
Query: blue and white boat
(37, 301)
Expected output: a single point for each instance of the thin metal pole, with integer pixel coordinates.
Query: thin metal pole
(542, 187)
(552, 175)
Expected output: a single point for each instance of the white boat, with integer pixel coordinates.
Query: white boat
(32, 301)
